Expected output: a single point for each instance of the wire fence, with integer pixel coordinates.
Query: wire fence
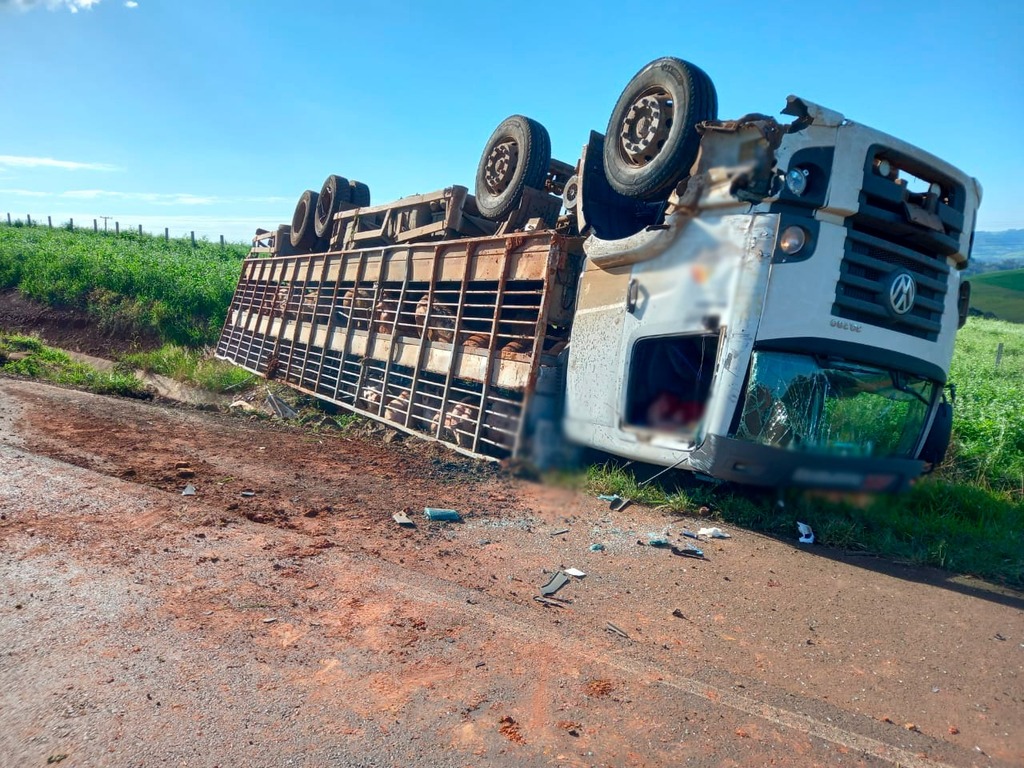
(28, 221)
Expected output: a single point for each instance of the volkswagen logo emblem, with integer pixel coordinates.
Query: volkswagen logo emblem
(902, 292)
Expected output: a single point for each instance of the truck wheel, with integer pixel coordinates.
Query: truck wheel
(303, 233)
(652, 139)
(360, 194)
(516, 156)
(333, 193)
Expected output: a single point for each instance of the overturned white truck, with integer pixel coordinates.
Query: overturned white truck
(762, 302)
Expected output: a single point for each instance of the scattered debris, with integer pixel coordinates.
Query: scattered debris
(714, 533)
(241, 405)
(271, 620)
(53, 759)
(571, 727)
(247, 494)
(185, 472)
(575, 572)
(999, 636)
(599, 688)
(690, 534)
(953, 730)
(657, 540)
(509, 728)
(190, 490)
(679, 614)
(616, 630)
(597, 547)
(911, 727)
(806, 534)
(403, 519)
(555, 583)
(279, 407)
(615, 502)
(432, 513)
(688, 552)
(559, 532)
(550, 601)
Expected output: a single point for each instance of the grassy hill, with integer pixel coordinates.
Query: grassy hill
(130, 282)
(1001, 293)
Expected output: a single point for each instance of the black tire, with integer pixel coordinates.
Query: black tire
(517, 156)
(360, 194)
(303, 227)
(333, 193)
(933, 451)
(652, 141)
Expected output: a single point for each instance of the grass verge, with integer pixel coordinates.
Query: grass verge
(189, 366)
(29, 357)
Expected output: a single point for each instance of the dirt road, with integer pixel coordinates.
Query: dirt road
(299, 626)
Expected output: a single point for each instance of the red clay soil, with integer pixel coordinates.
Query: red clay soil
(280, 617)
(65, 327)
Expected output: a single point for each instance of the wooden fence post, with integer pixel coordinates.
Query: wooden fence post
(999, 354)
(140, 229)
(95, 226)
(222, 241)
(28, 218)
(8, 218)
(167, 235)
(71, 224)
(193, 238)
(49, 222)
(117, 227)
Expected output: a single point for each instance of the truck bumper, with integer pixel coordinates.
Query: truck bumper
(743, 462)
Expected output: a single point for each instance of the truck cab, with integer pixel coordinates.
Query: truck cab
(786, 316)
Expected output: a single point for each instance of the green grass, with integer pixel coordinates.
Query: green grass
(28, 356)
(1001, 293)
(189, 366)
(988, 422)
(131, 283)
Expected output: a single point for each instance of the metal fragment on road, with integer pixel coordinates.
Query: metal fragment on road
(190, 490)
(616, 630)
(575, 572)
(555, 583)
(248, 494)
(688, 552)
(403, 519)
(559, 532)
(549, 601)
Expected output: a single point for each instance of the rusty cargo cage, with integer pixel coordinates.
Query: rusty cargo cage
(445, 340)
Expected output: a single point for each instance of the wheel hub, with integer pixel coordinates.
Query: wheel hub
(501, 166)
(646, 127)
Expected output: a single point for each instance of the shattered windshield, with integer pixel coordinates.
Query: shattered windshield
(834, 407)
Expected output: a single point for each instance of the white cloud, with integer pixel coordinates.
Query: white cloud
(24, 193)
(26, 5)
(131, 4)
(165, 198)
(19, 161)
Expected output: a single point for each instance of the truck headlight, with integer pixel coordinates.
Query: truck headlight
(796, 180)
(792, 240)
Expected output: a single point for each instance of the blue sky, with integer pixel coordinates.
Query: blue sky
(213, 116)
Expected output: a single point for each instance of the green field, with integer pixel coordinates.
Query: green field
(132, 283)
(1001, 293)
